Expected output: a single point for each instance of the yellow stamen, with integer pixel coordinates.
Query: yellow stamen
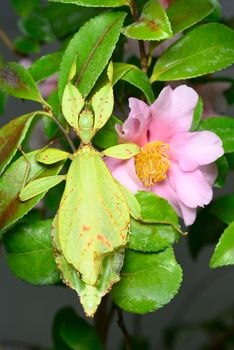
(152, 163)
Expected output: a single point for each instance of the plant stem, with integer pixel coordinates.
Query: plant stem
(124, 330)
(64, 131)
(6, 40)
(103, 318)
(143, 55)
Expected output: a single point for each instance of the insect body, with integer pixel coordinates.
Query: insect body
(90, 229)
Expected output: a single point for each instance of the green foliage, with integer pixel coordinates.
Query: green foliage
(223, 208)
(29, 252)
(197, 115)
(37, 27)
(153, 23)
(134, 76)
(155, 209)
(26, 45)
(11, 136)
(16, 81)
(107, 136)
(26, 7)
(45, 66)
(148, 281)
(159, 229)
(73, 332)
(151, 237)
(51, 129)
(224, 251)
(11, 182)
(223, 168)
(95, 3)
(94, 44)
(210, 46)
(224, 128)
(185, 13)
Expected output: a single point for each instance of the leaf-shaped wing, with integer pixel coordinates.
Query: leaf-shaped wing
(90, 296)
(93, 217)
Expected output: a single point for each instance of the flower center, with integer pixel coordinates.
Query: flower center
(152, 163)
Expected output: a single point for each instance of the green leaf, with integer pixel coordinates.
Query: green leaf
(66, 19)
(224, 251)
(153, 23)
(139, 79)
(185, 13)
(157, 276)
(209, 45)
(45, 66)
(26, 45)
(120, 69)
(96, 3)
(11, 136)
(3, 99)
(73, 332)
(151, 237)
(29, 252)
(15, 80)
(197, 114)
(134, 76)
(107, 136)
(37, 27)
(206, 230)
(224, 128)
(155, 209)
(223, 208)
(122, 151)
(230, 160)
(51, 128)
(36, 187)
(26, 7)
(11, 182)
(223, 168)
(93, 45)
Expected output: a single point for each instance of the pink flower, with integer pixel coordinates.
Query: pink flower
(175, 163)
(165, 3)
(47, 86)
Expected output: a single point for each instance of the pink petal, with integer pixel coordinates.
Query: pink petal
(210, 172)
(124, 172)
(196, 148)
(191, 187)
(135, 128)
(164, 190)
(172, 112)
(188, 214)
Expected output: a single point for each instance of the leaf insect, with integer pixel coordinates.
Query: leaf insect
(90, 230)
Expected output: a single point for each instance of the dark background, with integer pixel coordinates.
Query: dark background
(26, 312)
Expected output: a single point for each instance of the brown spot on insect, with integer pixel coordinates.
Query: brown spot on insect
(104, 241)
(85, 228)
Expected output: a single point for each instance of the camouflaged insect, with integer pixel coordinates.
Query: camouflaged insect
(90, 230)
